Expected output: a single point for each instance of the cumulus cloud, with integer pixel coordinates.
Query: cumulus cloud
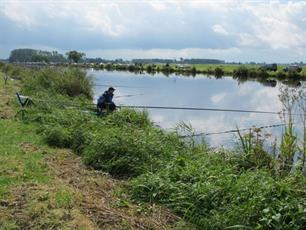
(16, 12)
(261, 29)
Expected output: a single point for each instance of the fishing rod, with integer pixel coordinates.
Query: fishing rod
(199, 109)
(130, 95)
(232, 130)
(222, 132)
(119, 86)
(173, 108)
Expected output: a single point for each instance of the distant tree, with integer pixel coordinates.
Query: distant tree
(40, 58)
(75, 56)
(22, 55)
(32, 55)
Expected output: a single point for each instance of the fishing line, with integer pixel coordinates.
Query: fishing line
(200, 109)
(233, 130)
(119, 86)
(129, 95)
(182, 136)
(176, 108)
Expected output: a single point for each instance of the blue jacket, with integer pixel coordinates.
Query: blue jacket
(107, 97)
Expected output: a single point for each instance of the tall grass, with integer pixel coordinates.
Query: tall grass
(293, 101)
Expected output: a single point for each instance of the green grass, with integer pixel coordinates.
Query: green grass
(228, 68)
(64, 198)
(17, 165)
(210, 191)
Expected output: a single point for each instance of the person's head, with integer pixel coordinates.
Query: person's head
(111, 89)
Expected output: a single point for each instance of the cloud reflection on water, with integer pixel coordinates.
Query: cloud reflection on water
(202, 91)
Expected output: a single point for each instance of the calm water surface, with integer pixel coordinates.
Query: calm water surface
(202, 91)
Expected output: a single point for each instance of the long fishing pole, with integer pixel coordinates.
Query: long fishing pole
(175, 108)
(130, 95)
(193, 135)
(198, 109)
(119, 86)
(232, 130)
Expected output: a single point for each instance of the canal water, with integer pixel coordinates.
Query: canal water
(201, 91)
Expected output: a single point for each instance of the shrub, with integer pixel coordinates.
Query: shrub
(70, 82)
(57, 136)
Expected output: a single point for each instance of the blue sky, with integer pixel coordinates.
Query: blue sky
(232, 30)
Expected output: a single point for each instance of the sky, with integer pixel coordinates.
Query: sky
(230, 30)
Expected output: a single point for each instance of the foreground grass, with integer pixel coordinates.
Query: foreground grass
(46, 188)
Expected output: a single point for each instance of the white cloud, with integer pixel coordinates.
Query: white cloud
(276, 24)
(16, 12)
(219, 29)
(165, 53)
(104, 17)
(158, 5)
(253, 30)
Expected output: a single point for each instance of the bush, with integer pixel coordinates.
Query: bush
(58, 136)
(70, 82)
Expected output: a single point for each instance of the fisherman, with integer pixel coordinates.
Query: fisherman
(105, 101)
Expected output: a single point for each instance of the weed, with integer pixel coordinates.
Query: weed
(64, 198)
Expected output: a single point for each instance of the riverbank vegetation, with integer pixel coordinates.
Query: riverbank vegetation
(212, 189)
(186, 67)
(241, 73)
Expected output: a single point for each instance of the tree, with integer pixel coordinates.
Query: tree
(32, 55)
(22, 55)
(75, 56)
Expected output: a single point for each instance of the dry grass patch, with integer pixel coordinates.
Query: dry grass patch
(99, 198)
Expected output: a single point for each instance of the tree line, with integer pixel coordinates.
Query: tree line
(33, 55)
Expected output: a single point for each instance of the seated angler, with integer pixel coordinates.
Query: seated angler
(105, 101)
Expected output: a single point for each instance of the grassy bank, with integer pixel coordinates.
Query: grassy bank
(245, 189)
(42, 187)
